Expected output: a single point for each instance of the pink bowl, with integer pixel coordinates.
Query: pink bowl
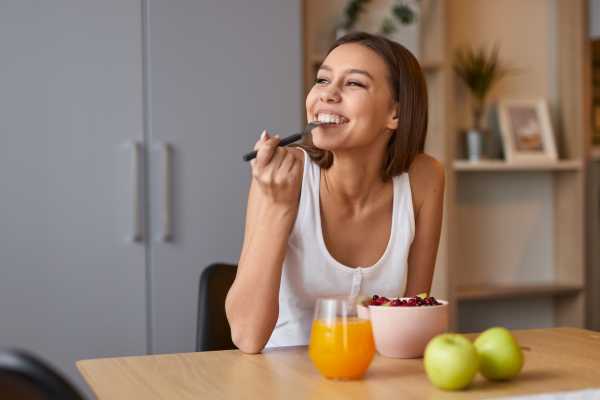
(403, 332)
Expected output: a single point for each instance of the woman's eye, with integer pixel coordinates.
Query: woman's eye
(355, 83)
(324, 81)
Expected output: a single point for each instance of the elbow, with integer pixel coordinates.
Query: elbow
(247, 344)
(247, 339)
(250, 331)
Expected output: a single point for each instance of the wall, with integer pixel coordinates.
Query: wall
(506, 219)
(527, 41)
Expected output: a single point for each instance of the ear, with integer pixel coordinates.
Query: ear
(392, 123)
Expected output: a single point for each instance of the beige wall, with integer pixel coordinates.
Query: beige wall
(527, 41)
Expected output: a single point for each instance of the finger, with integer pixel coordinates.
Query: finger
(296, 169)
(286, 164)
(266, 152)
(276, 161)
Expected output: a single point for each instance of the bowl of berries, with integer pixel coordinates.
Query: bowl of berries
(403, 326)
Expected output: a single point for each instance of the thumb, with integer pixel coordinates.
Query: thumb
(264, 136)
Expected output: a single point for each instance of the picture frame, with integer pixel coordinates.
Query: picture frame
(526, 130)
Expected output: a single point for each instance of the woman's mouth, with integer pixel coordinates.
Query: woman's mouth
(330, 119)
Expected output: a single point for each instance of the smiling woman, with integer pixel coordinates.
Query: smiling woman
(354, 210)
(401, 91)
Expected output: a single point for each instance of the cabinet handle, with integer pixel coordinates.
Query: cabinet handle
(166, 209)
(137, 234)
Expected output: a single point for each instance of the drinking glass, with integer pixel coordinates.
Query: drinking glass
(341, 343)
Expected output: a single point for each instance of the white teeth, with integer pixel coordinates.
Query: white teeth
(330, 118)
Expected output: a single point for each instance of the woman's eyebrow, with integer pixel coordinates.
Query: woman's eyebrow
(349, 71)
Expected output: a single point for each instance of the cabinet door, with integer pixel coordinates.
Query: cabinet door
(72, 287)
(220, 71)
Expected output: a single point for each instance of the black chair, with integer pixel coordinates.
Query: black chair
(213, 331)
(26, 377)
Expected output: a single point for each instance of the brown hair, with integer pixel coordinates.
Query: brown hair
(410, 93)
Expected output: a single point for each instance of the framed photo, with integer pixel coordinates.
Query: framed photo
(526, 130)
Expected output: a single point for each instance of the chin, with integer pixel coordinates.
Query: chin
(328, 139)
(325, 143)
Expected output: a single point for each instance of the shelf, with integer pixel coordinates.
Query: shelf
(595, 153)
(501, 165)
(495, 292)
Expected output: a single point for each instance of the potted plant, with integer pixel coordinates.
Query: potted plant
(396, 19)
(351, 13)
(402, 13)
(479, 71)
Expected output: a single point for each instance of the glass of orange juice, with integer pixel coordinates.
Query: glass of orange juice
(341, 344)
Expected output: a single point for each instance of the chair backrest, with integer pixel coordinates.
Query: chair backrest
(24, 376)
(213, 331)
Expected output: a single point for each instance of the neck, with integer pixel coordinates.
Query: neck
(354, 179)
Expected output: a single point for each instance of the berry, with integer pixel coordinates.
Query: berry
(415, 301)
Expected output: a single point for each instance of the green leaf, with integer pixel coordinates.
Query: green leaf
(353, 11)
(479, 71)
(404, 14)
(388, 27)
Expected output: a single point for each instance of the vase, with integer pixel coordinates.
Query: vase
(474, 145)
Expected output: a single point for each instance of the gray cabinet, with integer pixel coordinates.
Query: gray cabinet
(92, 94)
(71, 286)
(220, 72)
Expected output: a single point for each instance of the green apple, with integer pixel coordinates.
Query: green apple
(450, 361)
(500, 356)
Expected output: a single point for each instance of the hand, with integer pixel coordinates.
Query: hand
(276, 170)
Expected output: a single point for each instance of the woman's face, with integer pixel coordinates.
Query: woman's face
(352, 89)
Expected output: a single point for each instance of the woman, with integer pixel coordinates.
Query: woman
(356, 210)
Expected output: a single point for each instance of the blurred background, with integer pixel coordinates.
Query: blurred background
(125, 121)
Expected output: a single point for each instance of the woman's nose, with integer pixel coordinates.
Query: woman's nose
(330, 95)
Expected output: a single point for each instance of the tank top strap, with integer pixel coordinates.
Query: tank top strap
(309, 174)
(403, 198)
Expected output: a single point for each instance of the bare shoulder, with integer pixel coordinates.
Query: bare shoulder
(427, 178)
(426, 167)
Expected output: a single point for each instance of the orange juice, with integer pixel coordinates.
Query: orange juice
(342, 349)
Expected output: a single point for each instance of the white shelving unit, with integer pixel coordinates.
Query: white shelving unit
(500, 292)
(500, 165)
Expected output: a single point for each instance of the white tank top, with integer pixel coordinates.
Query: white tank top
(310, 272)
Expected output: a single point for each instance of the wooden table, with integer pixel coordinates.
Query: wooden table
(555, 359)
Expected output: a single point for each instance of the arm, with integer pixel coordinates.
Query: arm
(427, 182)
(252, 303)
